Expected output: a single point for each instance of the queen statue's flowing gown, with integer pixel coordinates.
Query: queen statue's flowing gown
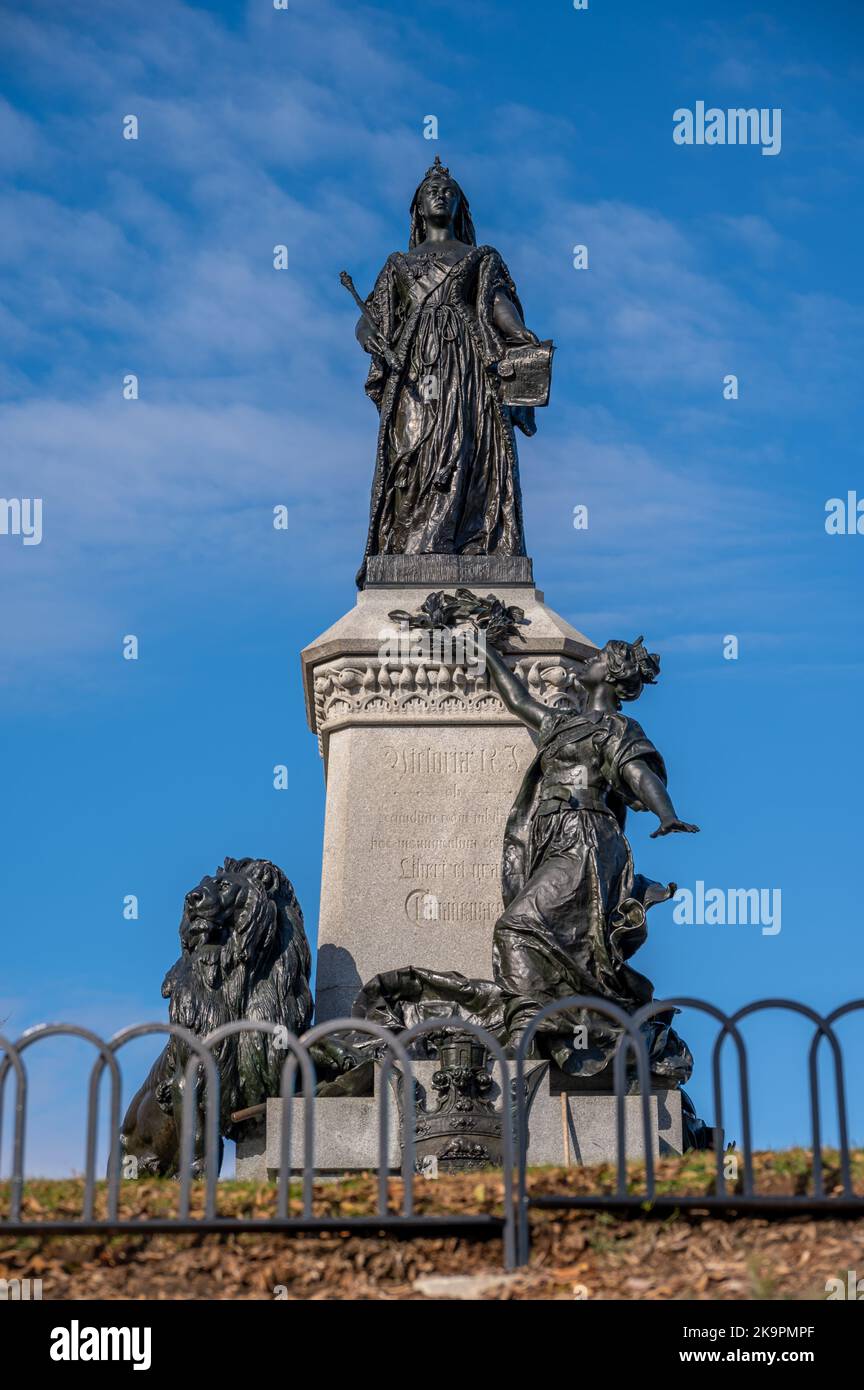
(447, 473)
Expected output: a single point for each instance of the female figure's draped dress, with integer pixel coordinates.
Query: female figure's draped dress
(575, 909)
(447, 473)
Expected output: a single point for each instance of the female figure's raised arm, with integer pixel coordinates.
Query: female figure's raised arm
(512, 691)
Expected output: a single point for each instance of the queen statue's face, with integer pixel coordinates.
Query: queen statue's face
(438, 201)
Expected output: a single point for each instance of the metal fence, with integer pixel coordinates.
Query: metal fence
(513, 1223)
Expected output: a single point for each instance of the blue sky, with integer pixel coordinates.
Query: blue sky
(154, 256)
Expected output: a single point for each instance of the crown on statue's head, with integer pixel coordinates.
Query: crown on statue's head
(438, 169)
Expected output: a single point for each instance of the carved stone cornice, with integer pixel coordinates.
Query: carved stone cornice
(362, 671)
(411, 690)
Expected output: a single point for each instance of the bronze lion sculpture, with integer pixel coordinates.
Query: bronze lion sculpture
(244, 955)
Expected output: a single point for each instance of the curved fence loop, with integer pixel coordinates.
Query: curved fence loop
(853, 1007)
(841, 1012)
(203, 1057)
(394, 1046)
(509, 1109)
(728, 1029)
(823, 1029)
(291, 1044)
(297, 1054)
(12, 1062)
(105, 1059)
(633, 1038)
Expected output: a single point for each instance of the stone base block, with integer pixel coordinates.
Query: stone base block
(566, 1126)
(570, 1126)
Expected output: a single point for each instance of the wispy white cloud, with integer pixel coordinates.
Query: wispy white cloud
(155, 257)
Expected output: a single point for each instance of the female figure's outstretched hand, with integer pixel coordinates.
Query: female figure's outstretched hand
(669, 827)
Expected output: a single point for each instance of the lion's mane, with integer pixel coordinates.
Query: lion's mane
(244, 955)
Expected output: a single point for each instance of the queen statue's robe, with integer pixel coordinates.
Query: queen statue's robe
(446, 472)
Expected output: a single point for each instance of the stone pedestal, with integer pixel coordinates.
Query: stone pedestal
(422, 763)
(565, 1127)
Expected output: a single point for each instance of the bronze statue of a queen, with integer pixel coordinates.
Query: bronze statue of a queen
(446, 336)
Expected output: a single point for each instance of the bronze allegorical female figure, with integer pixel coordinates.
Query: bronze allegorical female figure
(574, 907)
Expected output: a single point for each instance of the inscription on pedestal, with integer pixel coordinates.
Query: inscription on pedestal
(415, 849)
(449, 864)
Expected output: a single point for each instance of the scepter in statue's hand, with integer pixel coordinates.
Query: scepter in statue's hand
(375, 341)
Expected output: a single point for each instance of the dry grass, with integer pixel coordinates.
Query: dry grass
(574, 1254)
